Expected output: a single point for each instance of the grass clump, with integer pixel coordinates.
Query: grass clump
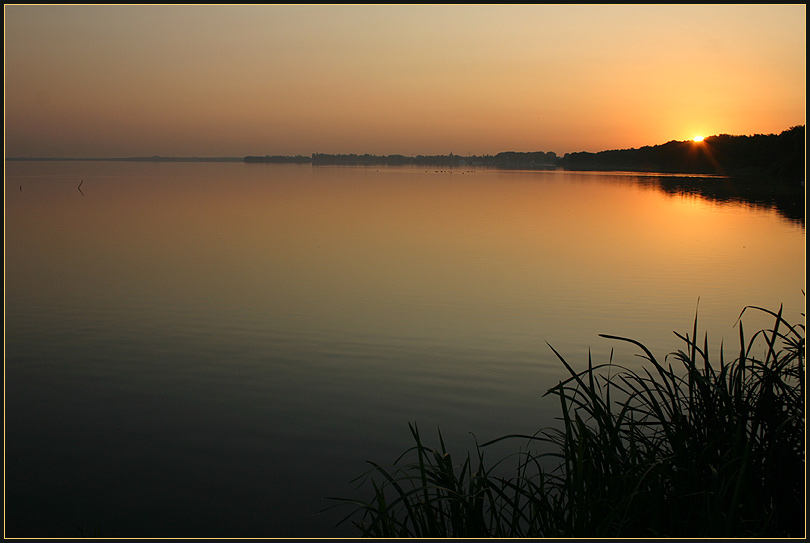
(708, 448)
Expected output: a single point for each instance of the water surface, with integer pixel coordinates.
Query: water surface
(211, 349)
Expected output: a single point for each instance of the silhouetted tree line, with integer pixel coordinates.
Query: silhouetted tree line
(505, 160)
(360, 160)
(279, 159)
(536, 160)
(781, 156)
(389, 160)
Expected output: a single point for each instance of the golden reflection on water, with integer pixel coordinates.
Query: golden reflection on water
(401, 249)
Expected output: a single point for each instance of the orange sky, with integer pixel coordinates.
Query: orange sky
(112, 81)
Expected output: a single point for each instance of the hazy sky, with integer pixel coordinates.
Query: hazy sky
(107, 81)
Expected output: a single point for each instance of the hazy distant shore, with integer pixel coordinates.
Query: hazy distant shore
(129, 159)
(774, 155)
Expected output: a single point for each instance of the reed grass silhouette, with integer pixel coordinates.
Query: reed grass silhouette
(708, 448)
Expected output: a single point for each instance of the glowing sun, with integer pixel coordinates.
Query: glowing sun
(697, 138)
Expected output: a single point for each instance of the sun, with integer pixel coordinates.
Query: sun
(697, 138)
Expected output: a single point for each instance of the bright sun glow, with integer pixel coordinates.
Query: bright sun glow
(698, 138)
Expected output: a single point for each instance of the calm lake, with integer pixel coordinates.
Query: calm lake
(214, 349)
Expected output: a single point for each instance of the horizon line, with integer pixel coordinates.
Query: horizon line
(242, 157)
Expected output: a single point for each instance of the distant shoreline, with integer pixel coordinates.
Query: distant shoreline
(128, 159)
(775, 179)
(781, 156)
